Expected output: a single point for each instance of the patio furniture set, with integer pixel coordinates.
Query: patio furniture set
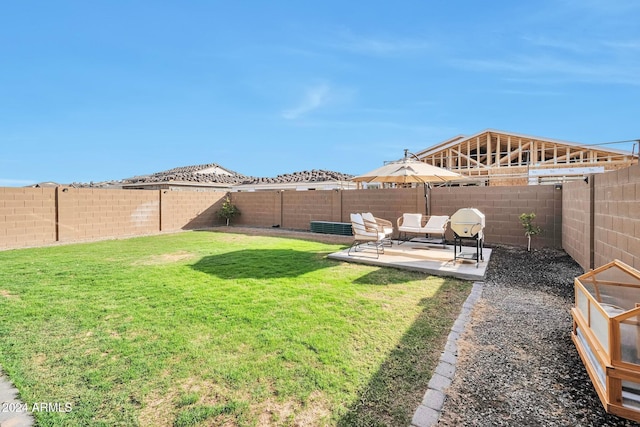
(466, 224)
(377, 232)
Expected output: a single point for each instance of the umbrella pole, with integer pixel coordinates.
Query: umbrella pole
(427, 187)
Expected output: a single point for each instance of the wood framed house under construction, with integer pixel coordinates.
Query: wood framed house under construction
(494, 157)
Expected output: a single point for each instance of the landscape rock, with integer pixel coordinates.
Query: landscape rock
(516, 364)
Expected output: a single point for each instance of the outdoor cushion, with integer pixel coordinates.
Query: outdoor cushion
(410, 222)
(360, 229)
(365, 232)
(437, 224)
(382, 224)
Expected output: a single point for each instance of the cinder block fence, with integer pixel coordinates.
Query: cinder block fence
(42, 216)
(501, 205)
(594, 221)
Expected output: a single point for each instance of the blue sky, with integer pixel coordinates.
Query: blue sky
(101, 90)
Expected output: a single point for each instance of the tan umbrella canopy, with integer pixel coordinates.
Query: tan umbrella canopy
(408, 170)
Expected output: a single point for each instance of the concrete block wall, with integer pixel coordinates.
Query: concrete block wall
(258, 209)
(40, 216)
(502, 207)
(388, 203)
(296, 209)
(88, 214)
(299, 208)
(576, 221)
(617, 217)
(287, 209)
(188, 210)
(27, 217)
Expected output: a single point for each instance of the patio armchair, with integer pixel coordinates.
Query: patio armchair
(382, 225)
(365, 233)
(415, 223)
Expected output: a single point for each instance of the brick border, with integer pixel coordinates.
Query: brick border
(428, 413)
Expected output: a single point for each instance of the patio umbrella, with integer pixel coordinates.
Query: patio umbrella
(408, 170)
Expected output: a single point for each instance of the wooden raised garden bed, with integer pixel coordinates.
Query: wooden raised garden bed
(606, 332)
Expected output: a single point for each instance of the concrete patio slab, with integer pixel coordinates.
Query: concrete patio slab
(417, 256)
(14, 413)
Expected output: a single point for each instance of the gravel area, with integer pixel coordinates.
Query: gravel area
(517, 365)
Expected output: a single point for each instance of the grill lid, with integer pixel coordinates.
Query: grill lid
(468, 222)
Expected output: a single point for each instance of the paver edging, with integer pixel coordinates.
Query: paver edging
(428, 413)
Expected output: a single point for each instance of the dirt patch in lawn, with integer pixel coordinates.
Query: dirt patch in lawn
(315, 412)
(166, 258)
(162, 409)
(8, 295)
(157, 411)
(283, 232)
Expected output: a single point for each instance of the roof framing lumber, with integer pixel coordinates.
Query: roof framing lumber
(488, 151)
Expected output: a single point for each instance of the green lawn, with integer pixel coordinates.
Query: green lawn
(212, 328)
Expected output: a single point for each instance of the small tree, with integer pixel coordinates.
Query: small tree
(529, 228)
(228, 210)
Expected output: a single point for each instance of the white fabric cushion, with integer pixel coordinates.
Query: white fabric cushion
(411, 220)
(356, 217)
(436, 224)
(368, 216)
(357, 223)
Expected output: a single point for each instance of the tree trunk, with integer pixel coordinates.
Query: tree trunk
(529, 243)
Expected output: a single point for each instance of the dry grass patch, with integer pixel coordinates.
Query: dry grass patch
(166, 258)
(6, 294)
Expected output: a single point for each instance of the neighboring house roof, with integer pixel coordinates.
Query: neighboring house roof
(104, 184)
(47, 184)
(208, 173)
(305, 180)
(214, 175)
(304, 176)
(474, 157)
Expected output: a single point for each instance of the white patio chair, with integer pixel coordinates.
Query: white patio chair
(365, 233)
(382, 225)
